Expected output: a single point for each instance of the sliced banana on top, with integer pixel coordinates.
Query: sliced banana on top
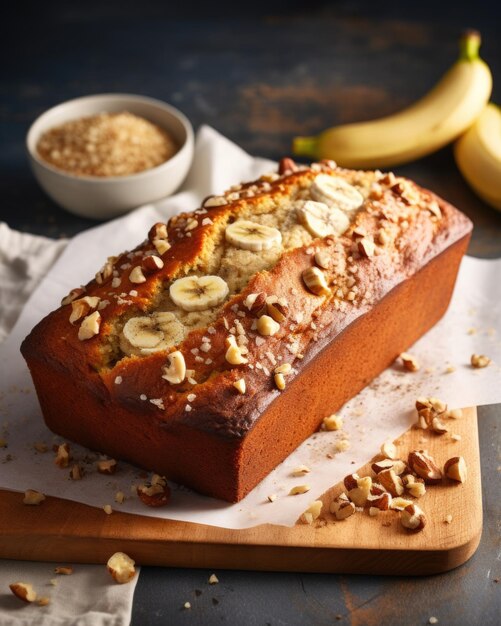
(336, 192)
(151, 333)
(198, 293)
(252, 236)
(320, 220)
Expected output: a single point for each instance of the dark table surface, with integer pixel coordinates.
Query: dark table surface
(261, 74)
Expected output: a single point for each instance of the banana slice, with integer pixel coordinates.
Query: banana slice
(198, 293)
(148, 334)
(336, 192)
(252, 236)
(320, 220)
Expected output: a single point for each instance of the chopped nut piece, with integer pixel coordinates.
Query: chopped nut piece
(267, 326)
(175, 370)
(286, 165)
(373, 511)
(119, 497)
(410, 362)
(448, 519)
(299, 489)
(272, 497)
(108, 466)
(323, 259)
(73, 295)
(33, 497)
(43, 601)
(41, 447)
(121, 567)
(152, 263)
(24, 591)
(279, 381)
(438, 426)
(277, 311)
(187, 605)
(81, 307)
(256, 303)
(240, 385)
(399, 504)
(342, 507)
(455, 414)
(366, 247)
(314, 280)
(433, 620)
(479, 360)
(424, 466)
(384, 464)
(213, 579)
(76, 472)
(358, 489)
(455, 469)
(389, 450)
(90, 326)
(136, 276)
(312, 512)
(301, 470)
(155, 494)
(379, 498)
(332, 422)
(413, 518)
(416, 489)
(63, 455)
(391, 482)
(234, 354)
(63, 570)
(107, 509)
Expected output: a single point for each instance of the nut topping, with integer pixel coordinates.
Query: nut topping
(175, 370)
(286, 166)
(455, 469)
(82, 306)
(267, 326)
(366, 247)
(314, 280)
(90, 326)
(413, 518)
(233, 354)
(73, 295)
(278, 311)
(279, 381)
(323, 259)
(152, 263)
(136, 276)
(256, 303)
(424, 466)
(240, 385)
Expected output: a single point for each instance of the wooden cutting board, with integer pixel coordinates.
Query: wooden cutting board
(68, 532)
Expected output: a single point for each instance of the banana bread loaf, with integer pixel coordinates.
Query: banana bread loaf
(209, 352)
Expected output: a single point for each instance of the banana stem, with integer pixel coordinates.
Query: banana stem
(469, 46)
(305, 146)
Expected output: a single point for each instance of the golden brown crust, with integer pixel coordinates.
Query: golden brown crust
(406, 226)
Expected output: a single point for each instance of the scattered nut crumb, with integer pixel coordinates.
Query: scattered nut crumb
(107, 509)
(272, 497)
(342, 445)
(53, 582)
(76, 473)
(119, 497)
(40, 446)
(448, 519)
(332, 422)
(62, 459)
(23, 591)
(479, 360)
(33, 497)
(3, 443)
(121, 567)
(301, 470)
(64, 570)
(213, 579)
(312, 512)
(299, 489)
(187, 605)
(433, 620)
(409, 362)
(43, 601)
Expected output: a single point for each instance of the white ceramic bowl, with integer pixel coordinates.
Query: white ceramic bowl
(103, 198)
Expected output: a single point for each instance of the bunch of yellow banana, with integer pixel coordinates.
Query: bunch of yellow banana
(456, 105)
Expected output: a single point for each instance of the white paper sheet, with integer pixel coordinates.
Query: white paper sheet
(382, 411)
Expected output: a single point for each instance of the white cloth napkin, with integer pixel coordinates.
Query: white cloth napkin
(88, 597)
